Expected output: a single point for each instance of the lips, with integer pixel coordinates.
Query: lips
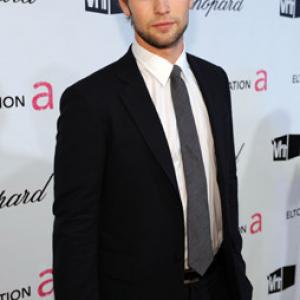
(163, 26)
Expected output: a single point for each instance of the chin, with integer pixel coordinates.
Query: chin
(167, 43)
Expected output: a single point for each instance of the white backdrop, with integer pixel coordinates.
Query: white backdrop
(47, 45)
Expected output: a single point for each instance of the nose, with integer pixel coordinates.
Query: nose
(162, 7)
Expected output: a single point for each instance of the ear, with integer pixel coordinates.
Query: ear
(124, 6)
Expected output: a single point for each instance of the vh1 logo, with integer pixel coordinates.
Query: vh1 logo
(286, 147)
(290, 8)
(281, 279)
(103, 6)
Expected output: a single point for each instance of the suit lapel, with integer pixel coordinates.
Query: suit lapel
(138, 103)
(136, 98)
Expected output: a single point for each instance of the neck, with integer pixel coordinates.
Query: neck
(171, 54)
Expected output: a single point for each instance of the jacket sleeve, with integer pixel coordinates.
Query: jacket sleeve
(78, 170)
(244, 285)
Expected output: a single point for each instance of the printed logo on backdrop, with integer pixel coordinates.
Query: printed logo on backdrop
(281, 279)
(40, 101)
(18, 1)
(239, 153)
(259, 84)
(45, 289)
(210, 6)
(286, 147)
(103, 6)
(17, 293)
(293, 213)
(290, 8)
(26, 197)
(296, 78)
(254, 226)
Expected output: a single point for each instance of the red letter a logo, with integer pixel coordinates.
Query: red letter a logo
(48, 95)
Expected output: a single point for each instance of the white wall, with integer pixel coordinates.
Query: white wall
(47, 45)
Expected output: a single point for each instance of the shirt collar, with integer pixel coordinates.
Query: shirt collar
(159, 67)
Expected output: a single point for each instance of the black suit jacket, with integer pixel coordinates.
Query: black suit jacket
(118, 228)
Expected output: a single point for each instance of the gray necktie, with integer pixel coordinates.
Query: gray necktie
(200, 254)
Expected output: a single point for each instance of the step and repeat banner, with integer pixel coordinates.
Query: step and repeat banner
(47, 45)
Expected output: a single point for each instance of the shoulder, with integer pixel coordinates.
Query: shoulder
(102, 79)
(207, 67)
(99, 88)
(92, 94)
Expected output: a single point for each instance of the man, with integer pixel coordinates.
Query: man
(145, 177)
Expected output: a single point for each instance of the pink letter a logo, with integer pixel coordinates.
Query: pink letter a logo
(48, 104)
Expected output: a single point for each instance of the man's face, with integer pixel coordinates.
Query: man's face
(159, 23)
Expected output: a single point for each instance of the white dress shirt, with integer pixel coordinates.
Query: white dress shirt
(156, 73)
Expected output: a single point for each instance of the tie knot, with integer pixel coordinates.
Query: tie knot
(176, 72)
